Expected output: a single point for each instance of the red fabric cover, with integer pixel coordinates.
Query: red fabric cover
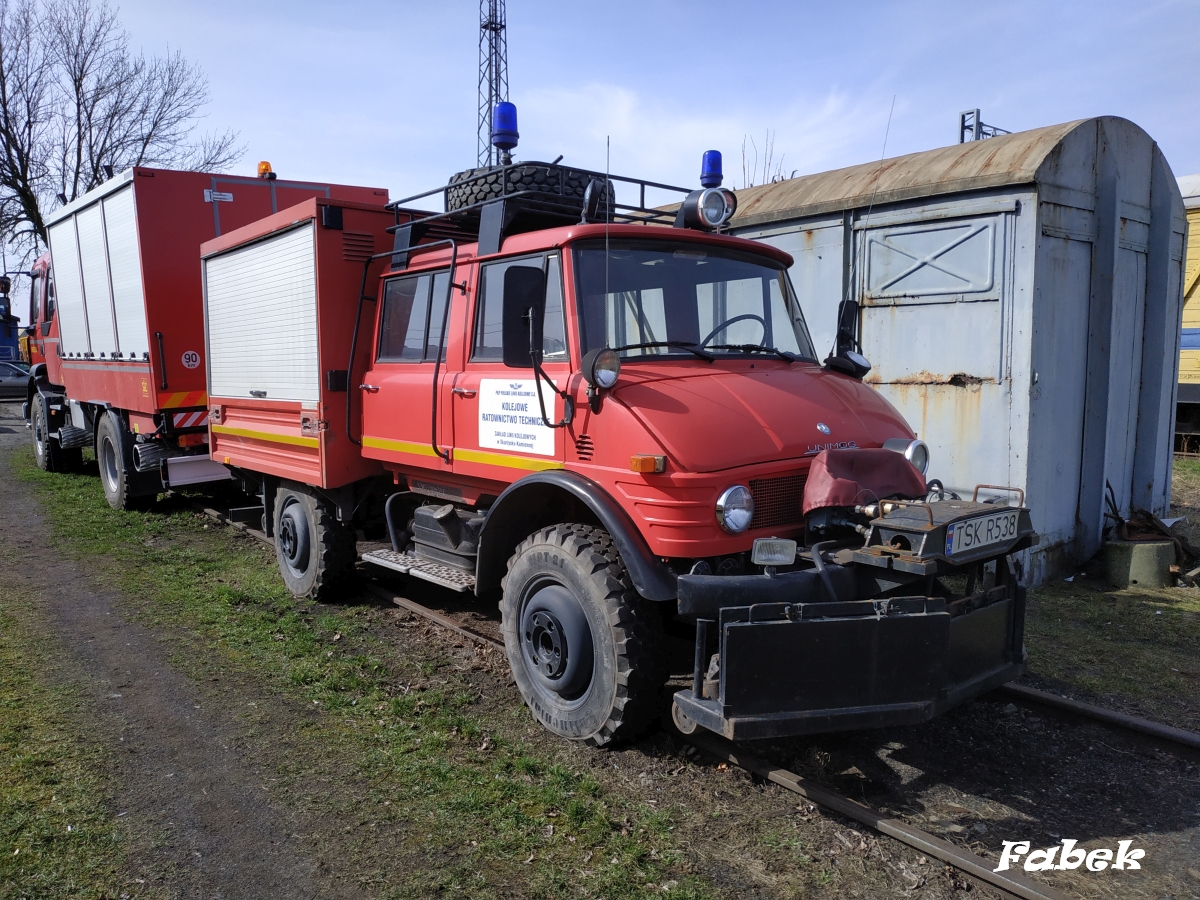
(859, 477)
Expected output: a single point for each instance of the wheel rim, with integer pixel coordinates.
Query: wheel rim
(108, 465)
(293, 537)
(556, 643)
(39, 430)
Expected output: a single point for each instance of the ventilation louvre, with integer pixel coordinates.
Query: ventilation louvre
(778, 501)
(584, 448)
(357, 246)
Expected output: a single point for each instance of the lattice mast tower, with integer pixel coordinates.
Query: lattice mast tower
(493, 74)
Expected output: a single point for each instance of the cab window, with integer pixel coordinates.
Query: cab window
(414, 316)
(35, 285)
(488, 343)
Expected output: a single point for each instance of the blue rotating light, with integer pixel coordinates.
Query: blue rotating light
(504, 126)
(710, 166)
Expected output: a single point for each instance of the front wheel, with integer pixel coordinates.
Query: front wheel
(585, 649)
(45, 448)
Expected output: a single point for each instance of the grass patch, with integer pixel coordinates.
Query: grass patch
(58, 839)
(1137, 648)
(440, 790)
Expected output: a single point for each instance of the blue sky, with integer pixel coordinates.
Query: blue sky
(384, 93)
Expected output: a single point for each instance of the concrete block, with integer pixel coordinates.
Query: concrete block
(1145, 564)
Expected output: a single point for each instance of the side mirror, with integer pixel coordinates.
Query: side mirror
(524, 311)
(847, 327)
(849, 363)
(45, 328)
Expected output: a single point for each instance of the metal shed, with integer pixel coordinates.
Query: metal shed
(1020, 300)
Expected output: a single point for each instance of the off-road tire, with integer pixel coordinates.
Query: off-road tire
(629, 670)
(315, 551)
(48, 453)
(124, 486)
(553, 182)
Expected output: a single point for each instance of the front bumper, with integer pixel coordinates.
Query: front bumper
(790, 668)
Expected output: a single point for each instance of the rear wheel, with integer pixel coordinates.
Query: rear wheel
(315, 552)
(585, 649)
(124, 486)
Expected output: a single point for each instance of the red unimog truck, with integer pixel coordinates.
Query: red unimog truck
(613, 419)
(117, 332)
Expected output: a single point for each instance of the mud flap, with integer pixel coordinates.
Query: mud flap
(801, 668)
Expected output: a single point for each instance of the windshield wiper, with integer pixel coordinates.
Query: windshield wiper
(682, 345)
(751, 348)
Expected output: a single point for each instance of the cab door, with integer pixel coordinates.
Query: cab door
(499, 431)
(405, 419)
(43, 342)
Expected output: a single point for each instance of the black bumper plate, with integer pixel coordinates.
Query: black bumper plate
(786, 677)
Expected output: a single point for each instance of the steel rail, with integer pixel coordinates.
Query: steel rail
(1164, 734)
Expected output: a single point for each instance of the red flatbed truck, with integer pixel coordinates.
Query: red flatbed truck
(117, 330)
(617, 427)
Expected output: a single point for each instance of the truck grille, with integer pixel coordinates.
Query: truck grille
(777, 501)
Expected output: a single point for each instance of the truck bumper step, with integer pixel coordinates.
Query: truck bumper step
(427, 570)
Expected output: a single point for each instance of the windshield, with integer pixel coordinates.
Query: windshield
(664, 298)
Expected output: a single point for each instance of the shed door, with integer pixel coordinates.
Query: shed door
(261, 309)
(933, 326)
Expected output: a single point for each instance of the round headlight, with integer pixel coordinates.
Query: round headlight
(917, 453)
(713, 208)
(735, 509)
(601, 368)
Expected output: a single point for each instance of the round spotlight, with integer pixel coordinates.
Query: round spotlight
(601, 368)
(712, 208)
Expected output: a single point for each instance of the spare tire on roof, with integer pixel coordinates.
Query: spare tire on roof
(547, 182)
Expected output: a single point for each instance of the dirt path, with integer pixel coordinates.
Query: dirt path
(182, 780)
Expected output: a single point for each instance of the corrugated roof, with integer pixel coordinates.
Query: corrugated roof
(1009, 159)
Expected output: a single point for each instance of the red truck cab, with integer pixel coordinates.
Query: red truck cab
(615, 427)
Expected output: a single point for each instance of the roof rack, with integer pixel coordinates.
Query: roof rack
(519, 209)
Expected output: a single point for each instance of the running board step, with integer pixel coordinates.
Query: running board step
(428, 570)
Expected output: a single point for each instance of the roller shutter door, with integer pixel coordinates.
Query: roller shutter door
(261, 319)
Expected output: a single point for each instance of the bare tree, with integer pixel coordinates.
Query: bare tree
(76, 103)
(770, 170)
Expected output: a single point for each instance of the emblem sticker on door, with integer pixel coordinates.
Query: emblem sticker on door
(191, 359)
(511, 419)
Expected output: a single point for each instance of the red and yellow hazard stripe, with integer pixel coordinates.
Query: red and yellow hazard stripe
(182, 399)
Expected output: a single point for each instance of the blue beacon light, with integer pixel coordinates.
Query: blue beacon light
(710, 169)
(504, 127)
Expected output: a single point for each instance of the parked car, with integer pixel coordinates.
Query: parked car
(14, 380)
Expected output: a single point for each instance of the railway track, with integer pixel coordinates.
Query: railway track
(978, 868)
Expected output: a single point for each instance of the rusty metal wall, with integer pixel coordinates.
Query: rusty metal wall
(1028, 331)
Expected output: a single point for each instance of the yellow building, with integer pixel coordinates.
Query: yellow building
(1188, 415)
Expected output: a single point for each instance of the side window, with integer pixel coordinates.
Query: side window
(489, 310)
(414, 315)
(49, 296)
(554, 328)
(35, 285)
